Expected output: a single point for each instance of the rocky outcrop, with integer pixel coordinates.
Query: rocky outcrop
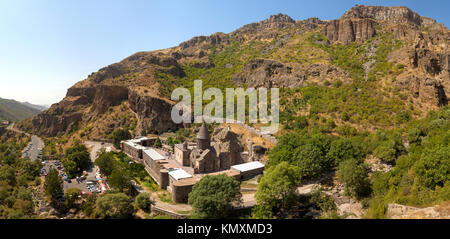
(154, 114)
(268, 73)
(63, 117)
(107, 96)
(350, 30)
(425, 57)
(391, 14)
(214, 39)
(111, 71)
(267, 29)
(359, 23)
(51, 124)
(278, 21)
(426, 90)
(397, 211)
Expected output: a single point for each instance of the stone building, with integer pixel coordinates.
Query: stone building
(206, 156)
(135, 147)
(179, 171)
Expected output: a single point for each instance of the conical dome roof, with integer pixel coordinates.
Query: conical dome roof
(203, 133)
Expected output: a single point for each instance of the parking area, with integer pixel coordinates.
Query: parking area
(34, 148)
(91, 180)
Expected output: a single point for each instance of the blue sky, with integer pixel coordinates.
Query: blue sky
(47, 46)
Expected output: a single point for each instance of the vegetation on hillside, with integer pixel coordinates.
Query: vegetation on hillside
(18, 179)
(15, 111)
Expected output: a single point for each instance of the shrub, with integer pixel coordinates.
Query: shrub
(355, 178)
(213, 195)
(119, 135)
(143, 201)
(114, 206)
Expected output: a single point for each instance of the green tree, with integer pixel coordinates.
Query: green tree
(72, 196)
(114, 206)
(414, 136)
(311, 161)
(276, 190)
(157, 143)
(308, 152)
(8, 174)
(53, 184)
(119, 135)
(300, 123)
(354, 176)
(143, 201)
(386, 152)
(344, 149)
(433, 167)
(106, 163)
(88, 206)
(120, 181)
(29, 168)
(76, 159)
(213, 195)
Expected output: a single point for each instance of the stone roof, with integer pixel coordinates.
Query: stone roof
(203, 133)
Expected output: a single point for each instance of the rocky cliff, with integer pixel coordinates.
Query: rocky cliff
(390, 47)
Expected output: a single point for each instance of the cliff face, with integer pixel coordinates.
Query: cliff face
(359, 23)
(154, 114)
(269, 73)
(350, 30)
(390, 14)
(276, 52)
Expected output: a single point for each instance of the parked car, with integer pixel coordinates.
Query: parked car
(61, 197)
(91, 182)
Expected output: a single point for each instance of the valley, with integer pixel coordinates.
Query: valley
(364, 126)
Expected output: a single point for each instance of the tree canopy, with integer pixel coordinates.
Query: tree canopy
(119, 135)
(213, 196)
(76, 159)
(53, 184)
(276, 189)
(114, 206)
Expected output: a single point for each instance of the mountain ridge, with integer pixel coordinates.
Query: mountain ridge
(13, 110)
(278, 51)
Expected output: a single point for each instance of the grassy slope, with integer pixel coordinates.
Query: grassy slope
(14, 111)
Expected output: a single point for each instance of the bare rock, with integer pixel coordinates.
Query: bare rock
(268, 73)
(391, 14)
(154, 113)
(397, 211)
(426, 90)
(350, 30)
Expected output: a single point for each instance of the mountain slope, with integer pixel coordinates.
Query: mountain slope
(38, 107)
(375, 67)
(15, 111)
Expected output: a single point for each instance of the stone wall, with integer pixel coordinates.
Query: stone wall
(182, 156)
(180, 192)
(135, 153)
(250, 174)
(159, 174)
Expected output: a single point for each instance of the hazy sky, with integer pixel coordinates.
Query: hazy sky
(47, 46)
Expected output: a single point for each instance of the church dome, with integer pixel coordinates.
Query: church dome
(203, 133)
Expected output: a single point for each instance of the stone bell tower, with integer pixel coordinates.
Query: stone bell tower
(203, 138)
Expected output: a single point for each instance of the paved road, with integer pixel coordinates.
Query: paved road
(34, 147)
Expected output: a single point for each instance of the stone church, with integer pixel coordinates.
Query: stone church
(206, 156)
